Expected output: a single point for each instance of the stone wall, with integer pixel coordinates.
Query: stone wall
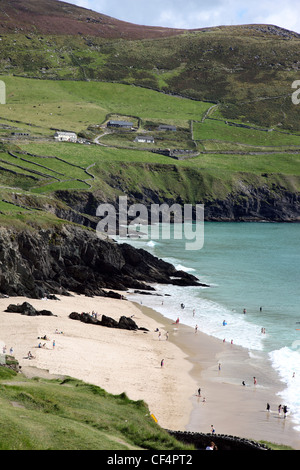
(222, 441)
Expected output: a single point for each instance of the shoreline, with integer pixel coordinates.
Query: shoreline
(232, 408)
(130, 361)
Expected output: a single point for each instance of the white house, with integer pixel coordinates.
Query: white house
(61, 136)
(145, 139)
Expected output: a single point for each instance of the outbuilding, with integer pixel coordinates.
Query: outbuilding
(166, 127)
(120, 124)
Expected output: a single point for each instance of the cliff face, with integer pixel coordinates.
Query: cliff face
(256, 205)
(244, 202)
(72, 259)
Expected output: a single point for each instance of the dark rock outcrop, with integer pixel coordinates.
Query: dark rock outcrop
(125, 323)
(253, 204)
(27, 309)
(37, 263)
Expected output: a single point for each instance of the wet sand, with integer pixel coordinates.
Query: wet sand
(225, 403)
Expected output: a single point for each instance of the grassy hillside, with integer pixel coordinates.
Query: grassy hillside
(228, 154)
(76, 105)
(66, 414)
(248, 70)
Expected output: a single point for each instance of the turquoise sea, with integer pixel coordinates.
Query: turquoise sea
(251, 266)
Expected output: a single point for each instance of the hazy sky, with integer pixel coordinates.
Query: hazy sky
(190, 14)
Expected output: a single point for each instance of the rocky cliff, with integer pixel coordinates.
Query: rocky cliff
(72, 259)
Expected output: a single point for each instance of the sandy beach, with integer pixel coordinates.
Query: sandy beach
(130, 361)
(114, 359)
(219, 370)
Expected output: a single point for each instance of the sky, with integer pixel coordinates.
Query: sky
(189, 14)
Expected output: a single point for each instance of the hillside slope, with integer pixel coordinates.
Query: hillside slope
(248, 69)
(240, 122)
(67, 414)
(56, 17)
(240, 172)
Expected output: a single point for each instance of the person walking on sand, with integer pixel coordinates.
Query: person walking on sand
(162, 363)
(268, 407)
(53, 344)
(254, 381)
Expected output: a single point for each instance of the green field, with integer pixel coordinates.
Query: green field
(219, 130)
(76, 105)
(229, 158)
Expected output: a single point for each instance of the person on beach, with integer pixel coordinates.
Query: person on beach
(212, 429)
(167, 335)
(196, 328)
(162, 363)
(244, 311)
(268, 407)
(199, 392)
(211, 446)
(279, 409)
(53, 344)
(284, 411)
(254, 381)
(159, 335)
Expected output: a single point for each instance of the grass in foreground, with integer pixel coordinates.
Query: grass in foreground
(40, 414)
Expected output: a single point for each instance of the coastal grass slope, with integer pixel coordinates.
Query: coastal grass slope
(67, 414)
